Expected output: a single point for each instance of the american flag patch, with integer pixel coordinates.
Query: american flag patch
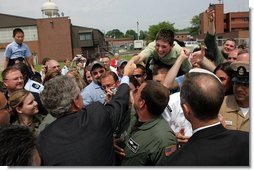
(169, 150)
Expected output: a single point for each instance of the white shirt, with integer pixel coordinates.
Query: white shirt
(64, 70)
(34, 86)
(176, 118)
(204, 127)
(113, 69)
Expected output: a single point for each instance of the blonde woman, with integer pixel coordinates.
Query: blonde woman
(74, 73)
(24, 106)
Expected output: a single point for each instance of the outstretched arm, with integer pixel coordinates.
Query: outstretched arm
(170, 81)
(211, 21)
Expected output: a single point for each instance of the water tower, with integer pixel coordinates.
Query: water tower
(49, 9)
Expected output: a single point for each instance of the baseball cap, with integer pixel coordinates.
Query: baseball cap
(121, 62)
(96, 63)
(241, 71)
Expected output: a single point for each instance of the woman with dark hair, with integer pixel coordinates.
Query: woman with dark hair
(224, 72)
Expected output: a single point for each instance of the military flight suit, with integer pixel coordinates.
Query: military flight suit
(233, 116)
(34, 125)
(148, 143)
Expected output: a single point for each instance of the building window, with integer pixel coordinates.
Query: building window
(86, 36)
(29, 31)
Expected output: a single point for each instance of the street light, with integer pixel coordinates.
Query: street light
(137, 30)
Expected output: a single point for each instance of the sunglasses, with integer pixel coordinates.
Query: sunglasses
(138, 75)
(95, 72)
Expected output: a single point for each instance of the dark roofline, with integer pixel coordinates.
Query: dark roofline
(87, 28)
(17, 16)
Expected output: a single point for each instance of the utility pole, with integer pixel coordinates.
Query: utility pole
(138, 29)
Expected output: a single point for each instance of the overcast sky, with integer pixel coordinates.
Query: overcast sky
(122, 14)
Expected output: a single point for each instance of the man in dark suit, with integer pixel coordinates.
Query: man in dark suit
(80, 136)
(211, 144)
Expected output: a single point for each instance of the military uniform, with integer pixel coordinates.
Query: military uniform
(45, 122)
(34, 125)
(148, 143)
(233, 116)
(230, 110)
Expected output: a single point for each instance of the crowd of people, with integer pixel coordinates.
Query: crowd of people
(166, 106)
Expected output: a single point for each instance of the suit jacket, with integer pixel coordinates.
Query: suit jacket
(213, 146)
(84, 138)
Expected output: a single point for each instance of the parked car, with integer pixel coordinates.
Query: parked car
(191, 44)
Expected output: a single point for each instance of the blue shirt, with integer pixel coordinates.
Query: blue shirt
(93, 93)
(180, 80)
(14, 50)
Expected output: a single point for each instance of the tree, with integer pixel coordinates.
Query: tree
(195, 23)
(131, 34)
(153, 29)
(115, 33)
(143, 35)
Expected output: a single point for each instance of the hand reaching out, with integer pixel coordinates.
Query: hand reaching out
(181, 138)
(210, 14)
(118, 150)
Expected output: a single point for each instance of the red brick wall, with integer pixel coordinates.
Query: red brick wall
(54, 36)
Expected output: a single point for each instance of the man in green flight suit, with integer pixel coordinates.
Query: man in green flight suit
(149, 139)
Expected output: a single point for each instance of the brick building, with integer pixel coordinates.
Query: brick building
(54, 37)
(229, 25)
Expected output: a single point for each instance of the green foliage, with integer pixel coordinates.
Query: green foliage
(126, 57)
(143, 35)
(131, 34)
(153, 29)
(195, 22)
(115, 33)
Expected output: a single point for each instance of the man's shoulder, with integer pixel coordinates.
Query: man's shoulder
(24, 45)
(10, 45)
(176, 48)
(90, 87)
(162, 129)
(229, 102)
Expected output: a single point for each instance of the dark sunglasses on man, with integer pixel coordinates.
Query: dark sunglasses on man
(138, 75)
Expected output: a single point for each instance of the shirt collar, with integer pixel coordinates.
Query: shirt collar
(149, 124)
(204, 127)
(95, 85)
(16, 44)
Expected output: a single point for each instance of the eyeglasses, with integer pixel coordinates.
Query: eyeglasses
(15, 79)
(138, 75)
(95, 72)
(58, 66)
(108, 86)
(5, 107)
